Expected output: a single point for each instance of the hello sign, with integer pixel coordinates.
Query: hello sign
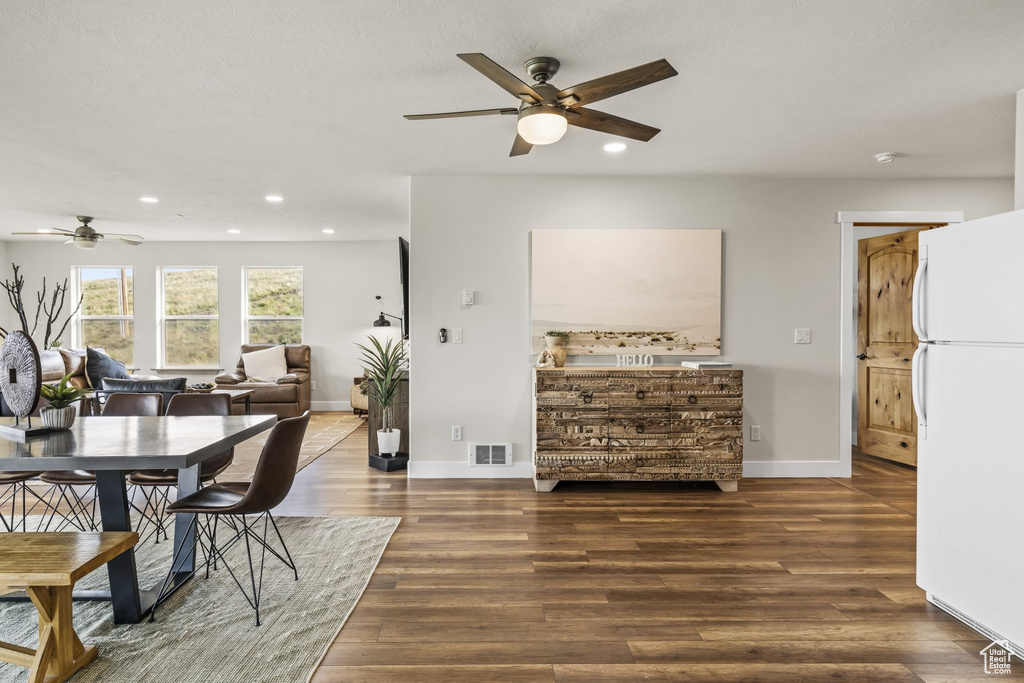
(629, 361)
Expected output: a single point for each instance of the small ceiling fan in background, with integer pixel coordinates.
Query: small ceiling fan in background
(84, 237)
(546, 112)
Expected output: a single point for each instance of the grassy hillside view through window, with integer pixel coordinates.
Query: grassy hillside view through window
(274, 308)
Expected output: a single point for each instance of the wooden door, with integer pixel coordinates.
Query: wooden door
(886, 422)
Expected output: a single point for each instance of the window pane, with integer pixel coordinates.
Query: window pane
(275, 291)
(107, 291)
(275, 331)
(191, 342)
(190, 291)
(113, 336)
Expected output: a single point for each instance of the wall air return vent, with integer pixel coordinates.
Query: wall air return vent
(490, 454)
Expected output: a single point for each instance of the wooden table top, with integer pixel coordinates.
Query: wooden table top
(130, 443)
(58, 558)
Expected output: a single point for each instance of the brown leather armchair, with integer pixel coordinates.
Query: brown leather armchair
(287, 397)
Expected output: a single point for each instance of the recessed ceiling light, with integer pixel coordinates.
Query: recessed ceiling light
(274, 198)
(234, 231)
(149, 200)
(328, 231)
(886, 157)
(615, 147)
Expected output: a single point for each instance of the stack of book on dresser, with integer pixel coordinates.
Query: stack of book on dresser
(706, 365)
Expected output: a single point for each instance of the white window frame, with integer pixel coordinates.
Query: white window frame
(246, 318)
(77, 337)
(162, 318)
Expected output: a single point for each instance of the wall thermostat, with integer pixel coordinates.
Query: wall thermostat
(468, 297)
(442, 335)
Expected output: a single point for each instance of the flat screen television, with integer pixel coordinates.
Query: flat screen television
(403, 255)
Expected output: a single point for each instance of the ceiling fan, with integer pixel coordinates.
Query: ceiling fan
(546, 112)
(84, 237)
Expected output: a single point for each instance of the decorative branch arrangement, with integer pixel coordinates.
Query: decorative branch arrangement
(51, 307)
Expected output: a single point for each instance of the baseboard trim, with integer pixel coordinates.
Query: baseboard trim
(462, 470)
(332, 406)
(524, 470)
(795, 468)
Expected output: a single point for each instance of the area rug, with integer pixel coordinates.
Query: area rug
(325, 430)
(206, 632)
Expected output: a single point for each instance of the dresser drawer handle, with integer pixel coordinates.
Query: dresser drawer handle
(641, 394)
(639, 429)
(692, 399)
(588, 397)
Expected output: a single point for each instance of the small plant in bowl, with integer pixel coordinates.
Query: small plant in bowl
(557, 342)
(60, 413)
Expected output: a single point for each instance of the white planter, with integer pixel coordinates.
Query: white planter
(387, 442)
(58, 418)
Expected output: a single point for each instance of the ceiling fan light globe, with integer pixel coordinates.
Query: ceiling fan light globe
(85, 243)
(542, 125)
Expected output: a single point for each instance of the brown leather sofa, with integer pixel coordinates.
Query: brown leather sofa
(287, 397)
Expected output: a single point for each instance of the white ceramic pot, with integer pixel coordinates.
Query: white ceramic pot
(58, 418)
(387, 442)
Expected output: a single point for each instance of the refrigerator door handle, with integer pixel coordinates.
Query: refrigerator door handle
(916, 302)
(917, 390)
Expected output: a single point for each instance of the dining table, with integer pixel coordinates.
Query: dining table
(114, 446)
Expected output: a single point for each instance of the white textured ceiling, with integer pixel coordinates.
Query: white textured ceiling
(210, 105)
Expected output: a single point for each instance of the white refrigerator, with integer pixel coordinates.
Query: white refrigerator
(968, 374)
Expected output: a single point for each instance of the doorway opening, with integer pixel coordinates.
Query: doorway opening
(857, 225)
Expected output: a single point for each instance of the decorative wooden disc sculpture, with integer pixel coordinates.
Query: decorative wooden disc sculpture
(20, 373)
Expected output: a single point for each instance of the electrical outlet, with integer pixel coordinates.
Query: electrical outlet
(456, 432)
(312, 385)
(755, 432)
(802, 335)
(456, 335)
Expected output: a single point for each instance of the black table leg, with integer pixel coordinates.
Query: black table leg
(184, 530)
(124, 582)
(248, 405)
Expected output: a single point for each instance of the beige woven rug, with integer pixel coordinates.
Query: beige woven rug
(206, 632)
(325, 430)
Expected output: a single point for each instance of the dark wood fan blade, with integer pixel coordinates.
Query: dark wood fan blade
(459, 114)
(609, 123)
(618, 83)
(494, 71)
(520, 147)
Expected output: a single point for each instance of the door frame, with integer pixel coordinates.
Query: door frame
(852, 223)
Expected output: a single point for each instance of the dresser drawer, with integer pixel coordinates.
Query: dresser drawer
(572, 427)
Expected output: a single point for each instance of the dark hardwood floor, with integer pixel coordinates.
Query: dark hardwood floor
(786, 580)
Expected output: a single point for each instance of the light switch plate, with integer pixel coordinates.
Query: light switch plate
(802, 335)
(456, 335)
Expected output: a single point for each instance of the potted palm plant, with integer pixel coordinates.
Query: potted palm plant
(383, 364)
(60, 413)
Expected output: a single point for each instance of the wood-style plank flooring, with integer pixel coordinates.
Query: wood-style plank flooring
(786, 580)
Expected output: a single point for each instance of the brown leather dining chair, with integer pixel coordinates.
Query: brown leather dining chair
(82, 508)
(271, 482)
(156, 485)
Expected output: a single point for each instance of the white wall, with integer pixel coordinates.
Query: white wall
(1018, 202)
(340, 281)
(781, 265)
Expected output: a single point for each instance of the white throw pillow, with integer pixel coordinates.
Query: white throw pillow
(265, 365)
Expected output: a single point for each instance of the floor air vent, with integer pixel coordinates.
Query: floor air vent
(490, 454)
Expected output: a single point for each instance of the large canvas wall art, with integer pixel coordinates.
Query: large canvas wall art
(656, 292)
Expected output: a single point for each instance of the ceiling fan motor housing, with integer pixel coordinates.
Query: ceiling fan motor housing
(542, 69)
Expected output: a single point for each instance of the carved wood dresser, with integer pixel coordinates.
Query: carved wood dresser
(638, 424)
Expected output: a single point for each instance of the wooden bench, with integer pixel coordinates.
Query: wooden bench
(47, 565)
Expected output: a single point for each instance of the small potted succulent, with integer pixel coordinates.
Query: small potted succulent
(60, 413)
(558, 343)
